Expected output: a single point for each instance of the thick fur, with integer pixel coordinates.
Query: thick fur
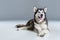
(39, 23)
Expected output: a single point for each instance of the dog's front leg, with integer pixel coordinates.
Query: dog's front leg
(42, 33)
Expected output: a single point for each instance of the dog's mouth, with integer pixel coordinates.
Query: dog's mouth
(40, 17)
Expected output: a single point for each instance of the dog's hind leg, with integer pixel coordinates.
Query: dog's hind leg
(22, 27)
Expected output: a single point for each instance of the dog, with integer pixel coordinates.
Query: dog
(38, 24)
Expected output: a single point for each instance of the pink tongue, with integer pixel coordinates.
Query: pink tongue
(41, 17)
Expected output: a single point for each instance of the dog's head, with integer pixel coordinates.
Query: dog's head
(40, 14)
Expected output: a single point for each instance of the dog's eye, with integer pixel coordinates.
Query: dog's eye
(38, 12)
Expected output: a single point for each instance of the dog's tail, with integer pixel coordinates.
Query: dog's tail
(23, 27)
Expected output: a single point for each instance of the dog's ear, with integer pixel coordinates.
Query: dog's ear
(34, 9)
(45, 9)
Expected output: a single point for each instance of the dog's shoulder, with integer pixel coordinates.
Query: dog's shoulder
(30, 22)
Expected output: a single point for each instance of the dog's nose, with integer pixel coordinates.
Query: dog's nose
(41, 15)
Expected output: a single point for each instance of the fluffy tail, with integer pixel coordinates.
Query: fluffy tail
(23, 27)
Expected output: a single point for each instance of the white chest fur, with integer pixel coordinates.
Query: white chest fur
(40, 26)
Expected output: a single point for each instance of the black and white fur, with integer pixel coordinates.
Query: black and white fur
(38, 24)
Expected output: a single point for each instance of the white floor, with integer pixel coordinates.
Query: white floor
(8, 31)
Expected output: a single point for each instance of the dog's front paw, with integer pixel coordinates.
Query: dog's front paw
(41, 35)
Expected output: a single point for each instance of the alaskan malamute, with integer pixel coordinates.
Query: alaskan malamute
(38, 24)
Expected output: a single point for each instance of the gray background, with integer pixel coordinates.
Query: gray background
(23, 9)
